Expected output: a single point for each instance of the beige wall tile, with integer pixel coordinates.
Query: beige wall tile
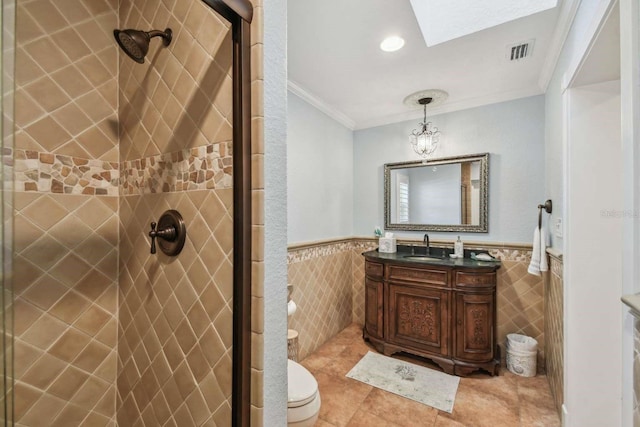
(45, 410)
(49, 304)
(188, 292)
(257, 315)
(68, 383)
(47, 93)
(43, 372)
(324, 300)
(553, 330)
(72, 66)
(257, 149)
(70, 344)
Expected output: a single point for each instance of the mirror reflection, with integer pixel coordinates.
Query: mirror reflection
(439, 195)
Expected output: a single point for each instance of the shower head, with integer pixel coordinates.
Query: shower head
(135, 43)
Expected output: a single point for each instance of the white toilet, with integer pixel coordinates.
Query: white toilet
(303, 405)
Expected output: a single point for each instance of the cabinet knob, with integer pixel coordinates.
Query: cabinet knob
(459, 321)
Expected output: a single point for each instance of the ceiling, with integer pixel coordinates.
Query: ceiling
(334, 60)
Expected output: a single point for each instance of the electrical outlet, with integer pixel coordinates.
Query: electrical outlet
(558, 227)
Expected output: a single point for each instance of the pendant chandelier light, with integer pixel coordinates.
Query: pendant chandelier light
(425, 141)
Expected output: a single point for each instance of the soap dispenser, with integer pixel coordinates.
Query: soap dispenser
(458, 249)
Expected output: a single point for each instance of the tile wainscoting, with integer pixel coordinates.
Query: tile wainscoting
(633, 303)
(636, 373)
(322, 276)
(328, 279)
(553, 329)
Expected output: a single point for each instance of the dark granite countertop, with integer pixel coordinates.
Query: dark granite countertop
(439, 257)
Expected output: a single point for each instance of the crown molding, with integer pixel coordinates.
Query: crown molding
(568, 12)
(450, 107)
(314, 100)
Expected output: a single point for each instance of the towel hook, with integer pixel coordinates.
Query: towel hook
(548, 207)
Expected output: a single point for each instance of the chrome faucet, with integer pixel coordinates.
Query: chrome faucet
(425, 240)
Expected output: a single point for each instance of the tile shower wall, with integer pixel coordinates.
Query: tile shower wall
(66, 243)
(65, 309)
(313, 267)
(175, 319)
(66, 79)
(67, 140)
(553, 330)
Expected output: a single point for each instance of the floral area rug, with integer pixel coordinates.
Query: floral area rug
(414, 382)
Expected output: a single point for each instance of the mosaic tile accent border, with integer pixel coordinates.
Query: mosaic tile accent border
(60, 174)
(302, 252)
(200, 168)
(508, 254)
(316, 250)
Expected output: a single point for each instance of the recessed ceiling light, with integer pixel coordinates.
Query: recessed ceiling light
(391, 44)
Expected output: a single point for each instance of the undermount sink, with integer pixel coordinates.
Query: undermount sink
(422, 258)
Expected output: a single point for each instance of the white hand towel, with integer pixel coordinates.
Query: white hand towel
(539, 254)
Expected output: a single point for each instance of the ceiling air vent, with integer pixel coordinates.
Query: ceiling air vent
(518, 51)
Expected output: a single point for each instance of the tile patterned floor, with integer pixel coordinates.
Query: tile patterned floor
(506, 400)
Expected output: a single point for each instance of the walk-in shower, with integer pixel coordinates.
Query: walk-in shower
(135, 43)
(106, 333)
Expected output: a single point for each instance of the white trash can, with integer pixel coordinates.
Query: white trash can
(522, 352)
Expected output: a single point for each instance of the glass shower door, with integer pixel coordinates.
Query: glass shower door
(7, 32)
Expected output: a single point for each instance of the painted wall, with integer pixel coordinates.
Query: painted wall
(583, 27)
(630, 118)
(319, 166)
(554, 151)
(592, 201)
(512, 132)
(274, 387)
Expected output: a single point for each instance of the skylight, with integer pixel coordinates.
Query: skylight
(444, 20)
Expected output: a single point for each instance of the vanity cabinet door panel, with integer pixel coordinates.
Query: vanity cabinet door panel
(373, 308)
(474, 327)
(418, 317)
(373, 269)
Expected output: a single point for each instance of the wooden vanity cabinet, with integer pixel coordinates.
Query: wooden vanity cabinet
(446, 314)
(418, 318)
(374, 308)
